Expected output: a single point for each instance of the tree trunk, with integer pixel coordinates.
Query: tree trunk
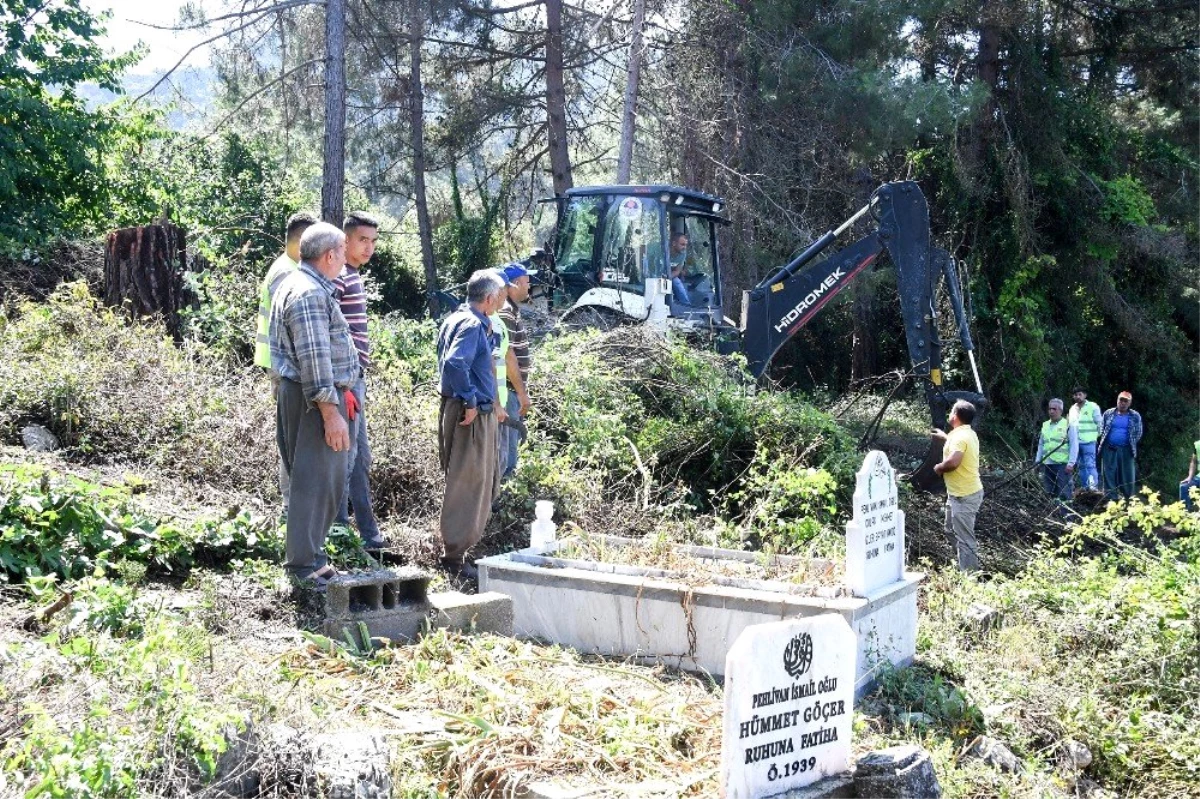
(333, 186)
(556, 100)
(625, 157)
(417, 108)
(988, 58)
(143, 272)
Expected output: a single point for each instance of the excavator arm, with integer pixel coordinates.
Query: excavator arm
(778, 307)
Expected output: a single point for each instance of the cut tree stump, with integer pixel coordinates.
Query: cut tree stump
(143, 271)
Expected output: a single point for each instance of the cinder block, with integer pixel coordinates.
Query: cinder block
(382, 589)
(402, 622)
(485, 613)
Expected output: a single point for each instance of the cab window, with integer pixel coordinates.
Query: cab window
(633, 245)
(577, 234)
(693, 262)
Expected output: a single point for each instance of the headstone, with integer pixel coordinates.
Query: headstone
(789, 701)
(875, 534)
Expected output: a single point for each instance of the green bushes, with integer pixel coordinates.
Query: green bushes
(144, 722)
(112, 391)
(1099, 644)
(69, 528)
(628, 430)
(628, 417)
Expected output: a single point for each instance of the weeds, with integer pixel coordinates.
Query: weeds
(60, 525)
(1099, 644)
(511, 712)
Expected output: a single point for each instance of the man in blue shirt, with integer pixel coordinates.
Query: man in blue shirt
(467, 349)
(1120, 432)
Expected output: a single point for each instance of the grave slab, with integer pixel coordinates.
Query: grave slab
(643, 614)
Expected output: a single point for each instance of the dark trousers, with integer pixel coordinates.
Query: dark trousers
(1185, 495)
(1056, 481)
(318, 476)
(1120, 471)
(470, 455)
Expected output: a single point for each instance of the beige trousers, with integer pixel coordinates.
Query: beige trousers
(470, 458)
(960, 528)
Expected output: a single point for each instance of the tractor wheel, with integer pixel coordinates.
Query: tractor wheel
(590, 317)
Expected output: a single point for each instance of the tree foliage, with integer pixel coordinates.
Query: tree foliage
(51, 145)
(1054, 139)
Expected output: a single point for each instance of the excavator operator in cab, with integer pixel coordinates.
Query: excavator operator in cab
(678, 264)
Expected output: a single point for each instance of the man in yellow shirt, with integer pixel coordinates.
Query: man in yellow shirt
(964, 489)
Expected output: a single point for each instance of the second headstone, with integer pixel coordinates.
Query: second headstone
(875, 535)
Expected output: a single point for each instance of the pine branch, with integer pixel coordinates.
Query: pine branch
(235, 15)
(259, 91)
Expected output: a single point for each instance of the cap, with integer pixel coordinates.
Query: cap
(1125, 395)
(503, 273)
(516, 270)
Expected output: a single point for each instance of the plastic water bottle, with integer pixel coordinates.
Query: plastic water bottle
(542, 531)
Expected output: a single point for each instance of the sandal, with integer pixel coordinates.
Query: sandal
(325, 573)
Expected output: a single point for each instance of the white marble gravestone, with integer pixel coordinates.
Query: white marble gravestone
(875, 536)
(789, 701)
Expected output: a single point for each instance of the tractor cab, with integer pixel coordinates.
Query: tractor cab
(637, 253)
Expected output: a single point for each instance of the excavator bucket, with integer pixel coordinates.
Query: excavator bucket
(925, 478)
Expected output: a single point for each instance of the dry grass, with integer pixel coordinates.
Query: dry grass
(465, 717)
(661, 556)
(508, 712)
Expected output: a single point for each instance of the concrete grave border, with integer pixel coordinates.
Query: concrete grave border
(650, 615)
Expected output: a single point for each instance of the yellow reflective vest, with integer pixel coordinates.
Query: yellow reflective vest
(1084, 420)
(262, 338)
(1055, 446)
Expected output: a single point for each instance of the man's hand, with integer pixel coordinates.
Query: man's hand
(469, 415)
(523, 397)
(1070, 468)
(940, 435)
(501, 414)
(337, 432)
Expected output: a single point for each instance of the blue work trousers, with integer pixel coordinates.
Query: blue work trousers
(1120, 472)
(1185, 489)
(1089, 477)
(1056, 481)
(510, 437)
(358, 486)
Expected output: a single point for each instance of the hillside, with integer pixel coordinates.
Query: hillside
(181, 629)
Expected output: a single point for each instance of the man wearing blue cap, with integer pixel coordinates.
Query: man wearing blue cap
(516, 277)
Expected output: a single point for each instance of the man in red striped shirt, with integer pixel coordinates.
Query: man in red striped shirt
(361, 231)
